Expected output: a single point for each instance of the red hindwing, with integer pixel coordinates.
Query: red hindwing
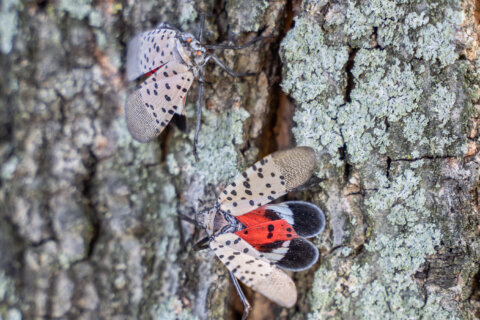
(268, 232)
(257, 216)
(150, 73)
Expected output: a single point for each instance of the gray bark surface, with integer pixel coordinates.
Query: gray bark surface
(386, 92)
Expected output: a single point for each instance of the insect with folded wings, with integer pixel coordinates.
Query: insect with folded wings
(168, 61)
(255, 239)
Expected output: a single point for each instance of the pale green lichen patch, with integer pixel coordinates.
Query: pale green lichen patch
(313, 72)
(7, 289)
(384, 87)
(386, 92)
(172, 310)
(360, 19)
(436, 40)
(187, 13)
(78, 9)
(8, 27)
(218, 142)
(444, 100)
(414, 128)
(245, 15)
(404, 94)
(138, 192)
(8, 297)
(315, 126)
(312, 68)
(390, 106)
(395, 256)
(418, 32)
(13, 314)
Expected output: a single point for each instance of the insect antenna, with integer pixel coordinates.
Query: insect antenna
(180, 217)
(233, 47)
(200, 93)
(202, 25)
(183, 244)
(188, 219)
(229, 71)
(246, 305)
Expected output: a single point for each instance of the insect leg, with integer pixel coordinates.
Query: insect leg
(187, 219)
(236, 47)
(183, 244)
(229, 71)
(246, 304)
(201, 244)
(199, 112)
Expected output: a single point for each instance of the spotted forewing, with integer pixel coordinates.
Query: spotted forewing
(150, 108)
(268, 179)
(149, 50)
(250, 267)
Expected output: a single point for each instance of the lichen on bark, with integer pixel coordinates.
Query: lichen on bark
(386, 92)
(401, 129)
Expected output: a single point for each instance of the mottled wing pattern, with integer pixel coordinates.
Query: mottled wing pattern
(268, 179)
(150, 50)
(250, 267)
(149, 108)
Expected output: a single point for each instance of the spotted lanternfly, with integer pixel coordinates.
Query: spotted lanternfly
(169, 60)
(255, 239)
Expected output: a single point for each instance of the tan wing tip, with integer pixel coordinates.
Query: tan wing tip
(281, 289)
(297, 165)
(140, 123)
(291, 302)
(306, 152)
(303, 151)
(288, 300)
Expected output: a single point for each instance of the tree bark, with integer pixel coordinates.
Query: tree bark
(386, 92)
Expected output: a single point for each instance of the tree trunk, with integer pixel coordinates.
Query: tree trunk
(386, 92)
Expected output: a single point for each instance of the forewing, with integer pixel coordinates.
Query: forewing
(250, 267)
(268, 179)
(307, 219)
(150, 50)
(149, 108)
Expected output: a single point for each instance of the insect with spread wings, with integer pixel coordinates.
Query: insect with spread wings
(254, 239)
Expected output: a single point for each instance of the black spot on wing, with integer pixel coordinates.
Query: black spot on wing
(272, 215)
